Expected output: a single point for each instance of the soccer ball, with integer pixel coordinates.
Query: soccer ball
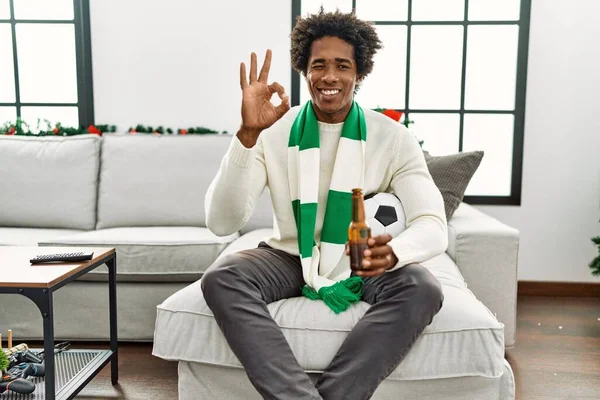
(384, 214)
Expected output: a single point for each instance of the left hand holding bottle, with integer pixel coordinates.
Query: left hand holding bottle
(379, 257)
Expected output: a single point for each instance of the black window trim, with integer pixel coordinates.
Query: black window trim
(83, 55)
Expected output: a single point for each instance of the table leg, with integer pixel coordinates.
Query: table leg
(43, 299)
(112, 295)
(49, 375)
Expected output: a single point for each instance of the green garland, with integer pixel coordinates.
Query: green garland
(168, 131)
(21, 128)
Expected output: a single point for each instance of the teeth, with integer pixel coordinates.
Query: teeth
(330, 92)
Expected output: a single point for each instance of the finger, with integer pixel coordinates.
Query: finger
(370, 273)
(379, 240)
(253, 67)
(347, 249)
(378, 251)
(284, 106)
(376, 263)
(276, 87)
(264, 72)
(243, 81)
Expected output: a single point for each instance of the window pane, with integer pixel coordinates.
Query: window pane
(491, 67)
(438, 10)
(385, 87)
(4, 9)
(312, 6)
(8, 114)
(494, 135)
(7, 72)
(436, 67)
(304, 94)
(382, 10)
(439, 132)
(47, 70)
(44, 9)
(494, 10)
(67, 116)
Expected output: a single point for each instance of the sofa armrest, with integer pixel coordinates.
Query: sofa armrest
(486, 253)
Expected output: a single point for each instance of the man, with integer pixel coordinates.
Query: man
(314, 155)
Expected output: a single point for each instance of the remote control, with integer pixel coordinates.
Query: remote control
(77, 256)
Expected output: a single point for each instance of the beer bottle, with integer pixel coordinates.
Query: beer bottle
(358, 232)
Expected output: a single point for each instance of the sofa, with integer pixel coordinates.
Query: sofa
(144, 195)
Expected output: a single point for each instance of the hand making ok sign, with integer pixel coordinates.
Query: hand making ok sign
(258, 113)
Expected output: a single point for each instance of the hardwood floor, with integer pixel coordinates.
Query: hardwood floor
(141, 376)
(557, 357)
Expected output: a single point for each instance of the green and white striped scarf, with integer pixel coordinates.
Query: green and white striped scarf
(318, 264)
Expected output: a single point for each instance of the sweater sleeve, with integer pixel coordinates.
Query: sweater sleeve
(426, 235)
(237, 186)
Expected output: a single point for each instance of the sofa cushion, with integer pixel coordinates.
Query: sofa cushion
(148, 254)
(157, 180)
(49, 182)
(464, 338)
(30, 236)
(452, 174)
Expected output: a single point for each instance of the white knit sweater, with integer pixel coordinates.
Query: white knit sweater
(394, 161)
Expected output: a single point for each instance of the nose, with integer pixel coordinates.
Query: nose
(330, 76)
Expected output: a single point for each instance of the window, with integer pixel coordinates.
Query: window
(46, 71)
(457, 68)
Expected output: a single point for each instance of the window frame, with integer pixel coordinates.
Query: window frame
(520, 89)
(83, 59)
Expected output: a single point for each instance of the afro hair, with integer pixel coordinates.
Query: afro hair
(346, 26)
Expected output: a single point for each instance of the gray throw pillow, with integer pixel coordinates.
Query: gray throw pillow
(452, 174)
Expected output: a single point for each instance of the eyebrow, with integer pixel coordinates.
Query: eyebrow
(338, 60)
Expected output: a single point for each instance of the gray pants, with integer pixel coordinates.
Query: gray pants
(237, 288)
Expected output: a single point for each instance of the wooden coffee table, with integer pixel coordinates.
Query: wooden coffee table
(38, 282)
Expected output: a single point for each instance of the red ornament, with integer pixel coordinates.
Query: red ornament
(56, 131)
(11, 130)
(393, 114)
(132, 131)
(93, 129)
(183, 131)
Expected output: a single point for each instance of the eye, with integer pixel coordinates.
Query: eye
(344, 67)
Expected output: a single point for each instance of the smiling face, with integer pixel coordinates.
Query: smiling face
(331, 77)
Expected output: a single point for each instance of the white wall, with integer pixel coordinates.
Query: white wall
(176, 63)
(560, 205)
